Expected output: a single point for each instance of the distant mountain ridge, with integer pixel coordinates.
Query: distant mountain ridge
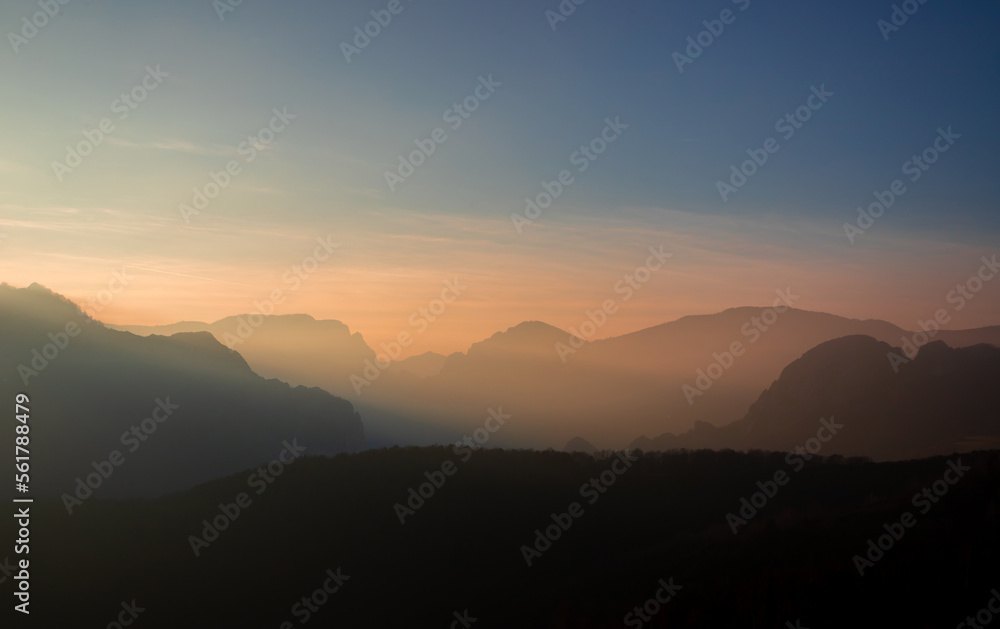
(637, 383)
(180, 410)
(576, 444)
(651, 381)
(285, 346)
(420, 366)
(944, 400)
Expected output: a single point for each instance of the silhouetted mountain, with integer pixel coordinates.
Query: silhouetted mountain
(293, 348)
(420, 366)
(531, 339)
(178, 409)
(638, 383)
(579, 444)
(515, 369)
(944, 400)
(507, 358)
(557, 385)
(679, 352)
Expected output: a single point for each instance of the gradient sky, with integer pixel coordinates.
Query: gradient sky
(655, 185)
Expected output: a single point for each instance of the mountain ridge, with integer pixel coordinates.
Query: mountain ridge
(650, 381)
(177, 410)
(941, 401)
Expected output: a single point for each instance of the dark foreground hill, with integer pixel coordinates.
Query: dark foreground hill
(177, 410)
(646, 527)
(889, 407)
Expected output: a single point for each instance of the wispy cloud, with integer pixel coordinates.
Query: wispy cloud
(196, 277)
(179, 146)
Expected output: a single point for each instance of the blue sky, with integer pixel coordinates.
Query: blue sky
(326, 171)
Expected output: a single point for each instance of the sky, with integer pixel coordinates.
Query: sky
(679, 117)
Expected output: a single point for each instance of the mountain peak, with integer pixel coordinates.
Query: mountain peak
(579, 444)
(40, 304)
(837, 367)
(528, 336)
(532, 327)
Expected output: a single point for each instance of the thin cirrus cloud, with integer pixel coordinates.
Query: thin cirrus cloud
(179, 146)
